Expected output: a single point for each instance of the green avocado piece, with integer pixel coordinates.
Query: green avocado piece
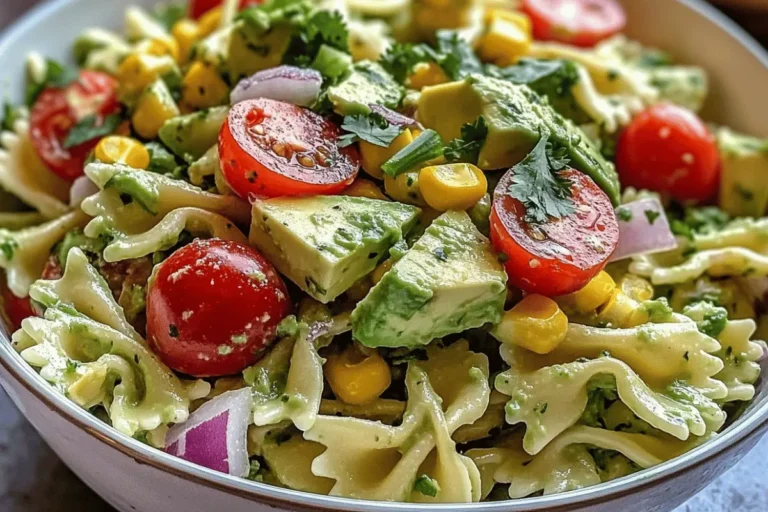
(516, 117)
(367, 84)
(325, 244)
(744, 176)
(253, 49)
(136, 186)
(190, 136)
(449, 282)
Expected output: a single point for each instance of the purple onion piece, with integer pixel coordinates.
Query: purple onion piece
(81, 189)
(215, 436)
(395, 118)
(284, 83)
(646, 231)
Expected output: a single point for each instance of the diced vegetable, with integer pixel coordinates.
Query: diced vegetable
(285, 83)
(643, 229)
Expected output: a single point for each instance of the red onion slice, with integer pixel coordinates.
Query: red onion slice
(645, 230)
(284, 83)
(395, 118)
(215, 436)
(81, 189)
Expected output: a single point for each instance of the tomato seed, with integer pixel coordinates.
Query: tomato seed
(306, 161)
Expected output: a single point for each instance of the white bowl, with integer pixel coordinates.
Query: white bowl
(133, 477)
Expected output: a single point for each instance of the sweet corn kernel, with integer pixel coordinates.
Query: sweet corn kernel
(620, 311)
(507, 38)
(210, 22)
(382, 269)
(186, 33)
(404, 188)
(427, 75)
(636, 287)
(365, 188)
(452, 186)
(154, 108)
(123, 150)
(536, 324)
(204, 87)
(596, 293)
(357, 378)
(139, 70)
(375, 156)
(159, 47)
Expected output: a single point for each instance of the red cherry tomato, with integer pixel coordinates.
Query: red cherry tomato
(56, 111)
(214, 307)
(670, 150)
(577, 22)
(199, 7)
(16, 309)
(270, 148)
(563, 255)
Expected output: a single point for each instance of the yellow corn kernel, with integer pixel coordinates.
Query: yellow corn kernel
(209, 22)
(452, 186)
(596, 293)
(621, 311)
(159, 47)
(405, 188)
(139, 70)
(382, 269)
(152, 111)
(536, 324)
(365, 188)
(427, 75)
(186, 33)
(636, 287)
(375, 156)
(507, 38)
(204, 87)
(123, 150)
(357, 378)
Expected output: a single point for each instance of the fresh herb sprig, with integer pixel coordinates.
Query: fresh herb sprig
(371, 128)
(89, 128)
(467, 148)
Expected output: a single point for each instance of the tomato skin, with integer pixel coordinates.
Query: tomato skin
(56, 111)
(199, 7)
(257, 130)
(563, 255)
(16, 309)
(214, 307)
(670, 150)
(578, 22)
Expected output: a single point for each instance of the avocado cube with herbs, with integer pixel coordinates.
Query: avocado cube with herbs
(744, 176)
(516, 117)
(450, 281)
(325, 244)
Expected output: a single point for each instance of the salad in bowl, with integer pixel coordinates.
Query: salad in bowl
(415, 251)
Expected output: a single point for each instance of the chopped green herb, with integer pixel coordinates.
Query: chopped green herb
(652, 215)
(372, 128)
(71, 366)
(173, 331)
(89, 128)
(467, 148)
(11, 114)
(541, 408)
(170, 14)
(624, 214)
(427, 486)
(8, 246)
(714, 322)
(56, 75)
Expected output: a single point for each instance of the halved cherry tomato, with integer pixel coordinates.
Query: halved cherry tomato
(16, 308)
(269, 148)
(56, 111)
(564, 254)
(199, 7)
(213, 308)
(577, 22)
(670, 150)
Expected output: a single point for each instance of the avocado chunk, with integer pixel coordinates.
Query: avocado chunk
(190, 136)
(516, 117)
(368, 84)
(450, 281)
(744, 177)
(325, 244)
(253, 49)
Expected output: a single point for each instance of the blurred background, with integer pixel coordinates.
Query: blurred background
(32, 479)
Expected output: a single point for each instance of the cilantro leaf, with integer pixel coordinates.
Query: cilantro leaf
(169, 14)
(56, 75)
(89, 128)
(538, 186)
(373, 129)
(401, 58)
(652, 215)
(467, 148)
(457, 58)
(11, 114)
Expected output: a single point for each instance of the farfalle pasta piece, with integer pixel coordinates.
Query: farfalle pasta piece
(611, 112)
(290, 461)
(288, 383)
(549, 400)
(167, 232)
(370, 460)
(132, 201)
(732, 261)
(24, 253)
(19, 220)
(26, 177)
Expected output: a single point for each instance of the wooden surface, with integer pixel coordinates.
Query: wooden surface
(32, 479)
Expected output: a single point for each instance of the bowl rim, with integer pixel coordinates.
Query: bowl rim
(752, 424)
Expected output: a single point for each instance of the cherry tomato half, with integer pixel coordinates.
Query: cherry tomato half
(564, 254)
(269, 148)
(577, 22)
(56, 111)
(670, 150)
(214, 307)
(199, 7)
(16, 308)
